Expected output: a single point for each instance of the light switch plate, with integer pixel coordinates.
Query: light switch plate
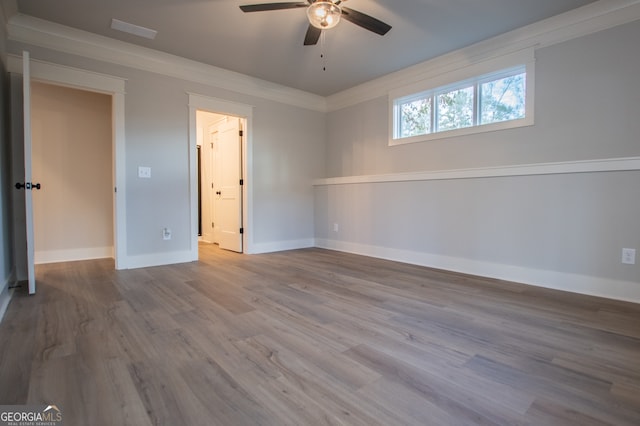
(629, 256)
(144, 172)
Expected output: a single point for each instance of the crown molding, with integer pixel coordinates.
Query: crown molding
(585, 20)
(38, 32)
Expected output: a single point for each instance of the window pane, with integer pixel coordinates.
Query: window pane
(503, 99)
(415, 118)
(455, 109)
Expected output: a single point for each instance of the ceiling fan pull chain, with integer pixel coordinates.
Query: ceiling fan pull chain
(322, 55)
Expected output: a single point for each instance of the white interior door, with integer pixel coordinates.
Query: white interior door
(229, 205)
(28, 185)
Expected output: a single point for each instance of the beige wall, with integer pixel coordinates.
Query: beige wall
(72, 159)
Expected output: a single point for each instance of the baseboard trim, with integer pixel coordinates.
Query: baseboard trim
(55, 256)
(159, 259)
(258, 248)
(6, 293)
(627, 291)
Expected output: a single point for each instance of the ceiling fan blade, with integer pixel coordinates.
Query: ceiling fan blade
(312, 36)
(365, 21)
(272, 6)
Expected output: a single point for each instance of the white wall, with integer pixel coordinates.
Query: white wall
(72, 159)
(287, 153)
(564, 231)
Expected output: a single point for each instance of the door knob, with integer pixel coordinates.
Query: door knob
(27, 185)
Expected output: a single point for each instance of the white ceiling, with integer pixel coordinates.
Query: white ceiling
(268, 45)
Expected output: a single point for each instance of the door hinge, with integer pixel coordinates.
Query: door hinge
(115, 189)
(242, 230)
(240, 133)
(241, 181)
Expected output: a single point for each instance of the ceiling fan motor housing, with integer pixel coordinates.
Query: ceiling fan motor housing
(324, 14)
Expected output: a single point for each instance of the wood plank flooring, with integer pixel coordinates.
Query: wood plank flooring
(314, 337)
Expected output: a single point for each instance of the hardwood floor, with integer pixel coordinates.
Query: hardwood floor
(315, 337)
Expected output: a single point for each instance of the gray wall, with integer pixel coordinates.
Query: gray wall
(288, 153)
(587, 102)
(587, 97)
(6, 238)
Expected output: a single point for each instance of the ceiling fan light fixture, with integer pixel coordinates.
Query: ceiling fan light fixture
(324, 14)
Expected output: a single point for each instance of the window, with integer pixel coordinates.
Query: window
(502, 99)
(487, 102)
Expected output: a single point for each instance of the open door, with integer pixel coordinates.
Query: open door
(27, 185)
(230, 193)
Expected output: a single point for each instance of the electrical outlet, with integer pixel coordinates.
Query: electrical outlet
(166, 234)
(144, 172)
(336, 227)
(629, 256)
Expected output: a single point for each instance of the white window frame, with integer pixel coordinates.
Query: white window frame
(473, 74)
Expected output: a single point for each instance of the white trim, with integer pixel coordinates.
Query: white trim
(70, 255)
(221, 106)
(566, 167)
(159, 259)
(6, 293)
(68, 76)
(102, 83)
(244, 111)
(38, 32)
(465, 131)
(27, 131)
(585, 20)
(594, 286)
(119, 181)
(283, 245)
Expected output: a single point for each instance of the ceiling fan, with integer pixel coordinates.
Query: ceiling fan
(322, 15)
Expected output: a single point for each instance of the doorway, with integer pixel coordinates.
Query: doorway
(23, 70)
(244, 115)
(72, 157)
(219, 141)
